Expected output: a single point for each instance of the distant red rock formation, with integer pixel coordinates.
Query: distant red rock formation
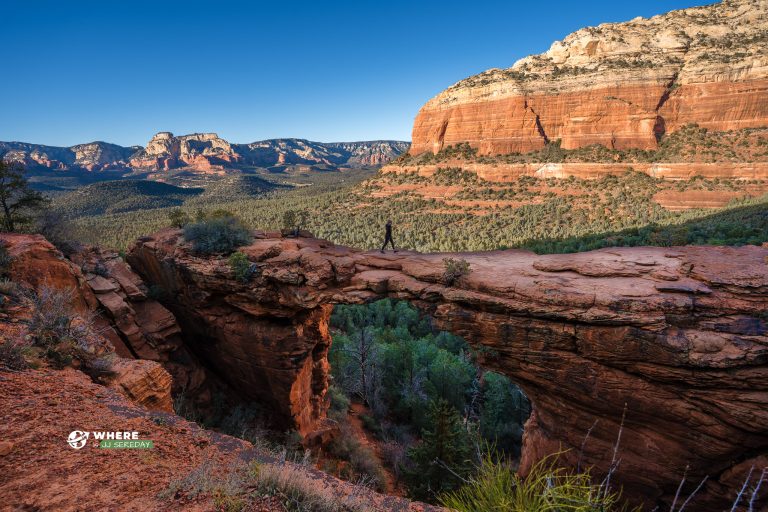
(202, 152)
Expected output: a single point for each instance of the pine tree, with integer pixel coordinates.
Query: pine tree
(442, 459)
(16, 196)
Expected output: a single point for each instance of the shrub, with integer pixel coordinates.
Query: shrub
(455, 269)
(199, 481)
(12, 356)
(363, 464)
(217, 235)
(244, 421)
(497, 487)
(370, 424)
(52, 318)
(101, 366)
(178, 218)
(56, 228)
(339, 403)
(61, 334)
(289, 219)
(241, 267)
(302, 491)
(394, 456)
(5, 259)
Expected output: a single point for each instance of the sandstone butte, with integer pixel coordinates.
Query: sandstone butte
(622, 85)
(672, 339)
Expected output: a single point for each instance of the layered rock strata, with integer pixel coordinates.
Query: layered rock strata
(104, 290)
(508, 173)
(622, 85)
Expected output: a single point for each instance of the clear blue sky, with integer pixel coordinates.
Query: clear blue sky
(76, 71)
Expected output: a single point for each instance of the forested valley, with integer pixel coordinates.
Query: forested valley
(426, 399)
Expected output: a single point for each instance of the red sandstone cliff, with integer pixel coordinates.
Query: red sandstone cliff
(621, 85)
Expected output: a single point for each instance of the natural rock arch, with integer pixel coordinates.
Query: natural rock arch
(676, 336)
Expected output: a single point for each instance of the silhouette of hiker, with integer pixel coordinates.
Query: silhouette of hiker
(388, 237)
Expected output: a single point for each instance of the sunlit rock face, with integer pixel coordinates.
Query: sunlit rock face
(672, 339)
(105, 290)
(622, 85)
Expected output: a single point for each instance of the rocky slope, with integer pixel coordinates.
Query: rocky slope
(188, 467)
(674, 339)
(622, 85)
(202, 152)
(106, 289)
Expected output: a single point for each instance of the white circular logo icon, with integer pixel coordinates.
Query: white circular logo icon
(77, 439)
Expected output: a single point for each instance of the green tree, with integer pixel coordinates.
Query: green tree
(241, 267)
(178, 218)
(442, 459)
(504, 411)
(294, 220)
(217, 235)
(16, 196)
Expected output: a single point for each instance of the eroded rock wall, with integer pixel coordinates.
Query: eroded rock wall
(98, 291)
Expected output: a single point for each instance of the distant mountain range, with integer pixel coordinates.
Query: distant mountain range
(202, 152)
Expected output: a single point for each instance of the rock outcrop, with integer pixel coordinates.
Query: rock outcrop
(202, 152)
(672, 339)
(622, 85)
(107, 292)
(36, 266)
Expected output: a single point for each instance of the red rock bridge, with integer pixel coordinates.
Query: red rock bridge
(676, 336)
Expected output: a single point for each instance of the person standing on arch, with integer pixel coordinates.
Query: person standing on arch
(388, 237)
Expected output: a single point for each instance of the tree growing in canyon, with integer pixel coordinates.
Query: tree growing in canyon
(16, 196)
(442, 460)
